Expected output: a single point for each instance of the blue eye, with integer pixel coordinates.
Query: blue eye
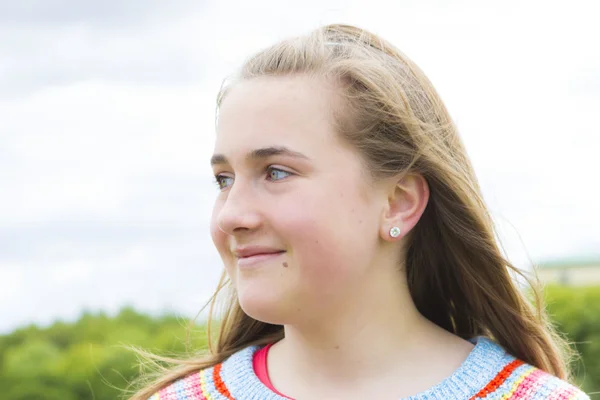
(222, 181)
(276, 174)
(273, 174)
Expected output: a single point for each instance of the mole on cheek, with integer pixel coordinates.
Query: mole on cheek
(285, 264)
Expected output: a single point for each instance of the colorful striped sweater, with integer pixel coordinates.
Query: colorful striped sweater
(487, 373)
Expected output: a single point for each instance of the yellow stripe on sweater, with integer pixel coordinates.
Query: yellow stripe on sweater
(517, 383)
(203, 385)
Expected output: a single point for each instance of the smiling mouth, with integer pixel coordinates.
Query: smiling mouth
(258, 258)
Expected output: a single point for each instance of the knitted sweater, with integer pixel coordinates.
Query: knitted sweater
(487, 373)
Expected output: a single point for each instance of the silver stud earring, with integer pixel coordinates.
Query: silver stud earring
(395, 232)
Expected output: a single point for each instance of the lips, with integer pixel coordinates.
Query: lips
(252, 251)
(253, 256)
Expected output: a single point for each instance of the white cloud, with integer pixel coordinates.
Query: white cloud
(87, 149)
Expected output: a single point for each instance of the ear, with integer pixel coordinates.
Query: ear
(407, 199)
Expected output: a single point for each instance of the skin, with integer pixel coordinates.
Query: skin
(351, 327)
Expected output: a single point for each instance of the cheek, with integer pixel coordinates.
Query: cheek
(332, 235)
(219, 237)
(214, 229)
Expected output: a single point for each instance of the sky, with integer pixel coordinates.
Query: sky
(107, 127)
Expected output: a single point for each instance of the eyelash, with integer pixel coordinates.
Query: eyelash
(268, 170)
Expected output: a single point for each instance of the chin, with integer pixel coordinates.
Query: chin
(265, 307)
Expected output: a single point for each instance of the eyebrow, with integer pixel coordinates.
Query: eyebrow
(259, 154)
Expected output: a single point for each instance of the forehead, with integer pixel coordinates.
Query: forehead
(294, 111)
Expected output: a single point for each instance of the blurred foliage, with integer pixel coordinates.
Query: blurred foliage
(85, 359)
(575, 311)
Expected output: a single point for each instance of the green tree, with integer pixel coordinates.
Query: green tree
(576, 313)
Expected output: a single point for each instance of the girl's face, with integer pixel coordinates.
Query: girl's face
(291, 188)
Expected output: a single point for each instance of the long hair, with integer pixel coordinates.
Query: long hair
(392, 115)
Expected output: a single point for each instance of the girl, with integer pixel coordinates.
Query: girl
(360, 257)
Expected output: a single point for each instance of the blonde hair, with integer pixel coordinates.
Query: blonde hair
(392, 115)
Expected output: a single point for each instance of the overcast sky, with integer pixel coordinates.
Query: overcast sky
(107, 127)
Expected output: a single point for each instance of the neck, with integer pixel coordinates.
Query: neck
(336, 349)
(376, 331)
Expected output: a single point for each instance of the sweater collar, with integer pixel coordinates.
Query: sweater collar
(484, 361)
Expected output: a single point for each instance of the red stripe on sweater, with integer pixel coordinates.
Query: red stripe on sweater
(219, 384)
(498, 379)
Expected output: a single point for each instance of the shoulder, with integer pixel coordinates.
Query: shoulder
(189, 387)
(203, 384)
(511, 378)
(518, 380)
(225, 380)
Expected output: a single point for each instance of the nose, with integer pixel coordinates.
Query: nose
(239, 212)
